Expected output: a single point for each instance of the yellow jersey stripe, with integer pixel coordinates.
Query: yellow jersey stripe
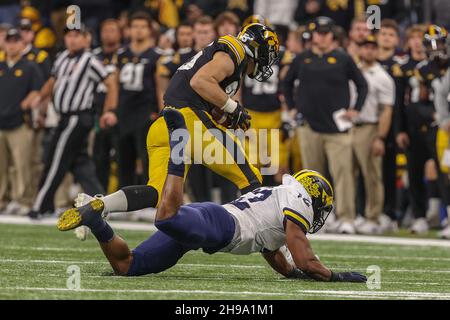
(235, 45)
(297, 217)
(230, 45)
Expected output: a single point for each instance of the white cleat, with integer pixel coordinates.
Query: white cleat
(387, 224)
(346, 228)
(445, 233)
(369, 228)
(420, 226)
(82, 232)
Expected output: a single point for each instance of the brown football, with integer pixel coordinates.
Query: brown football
(221, 117)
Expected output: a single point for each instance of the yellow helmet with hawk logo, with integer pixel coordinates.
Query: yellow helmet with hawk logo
(321, 193)
(262, 46)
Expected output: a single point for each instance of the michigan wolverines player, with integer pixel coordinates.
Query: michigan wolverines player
(263, 221)
(201, 87)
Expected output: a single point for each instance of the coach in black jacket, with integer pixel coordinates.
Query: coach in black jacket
(323, 98)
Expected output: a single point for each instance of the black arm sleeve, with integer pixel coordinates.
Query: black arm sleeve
(360, 83)
(288, 83)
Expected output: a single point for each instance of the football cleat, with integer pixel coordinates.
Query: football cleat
(76, 217)
(420, 226)
(82, 232)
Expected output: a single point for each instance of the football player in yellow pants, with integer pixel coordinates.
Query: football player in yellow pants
(201, 87)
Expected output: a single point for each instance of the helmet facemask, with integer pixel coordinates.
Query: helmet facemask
(263, 64)
(320, 216)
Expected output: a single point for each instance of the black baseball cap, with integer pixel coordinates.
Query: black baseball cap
(321, 24)
(25, 24)
(13, 33)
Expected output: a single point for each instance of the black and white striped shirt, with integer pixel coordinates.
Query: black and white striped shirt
(76, 78)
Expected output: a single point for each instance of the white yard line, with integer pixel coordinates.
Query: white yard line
(139, 226)
(201, 265)
(333, 293)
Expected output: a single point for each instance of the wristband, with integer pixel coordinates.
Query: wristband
(230, 106)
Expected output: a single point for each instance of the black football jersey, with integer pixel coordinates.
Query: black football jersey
(180, 94)
(409, 81)
(264, 96)
(42, 59)
(109, 60)
(168, 65)
(429, 73)
(137, 80)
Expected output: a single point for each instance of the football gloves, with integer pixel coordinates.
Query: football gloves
(347, 277)
(239, 118)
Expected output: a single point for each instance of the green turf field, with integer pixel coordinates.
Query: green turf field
(34, 262)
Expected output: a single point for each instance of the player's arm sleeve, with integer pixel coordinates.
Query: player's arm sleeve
(97, 70)
(442, 90)
(360, 83)
(233, 47)
(287, 86)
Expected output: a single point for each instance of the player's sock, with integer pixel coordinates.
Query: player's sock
(131, 198)
(175, 121)
(99, 227)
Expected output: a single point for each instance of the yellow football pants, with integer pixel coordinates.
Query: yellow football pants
(263, 146)
(210, 144)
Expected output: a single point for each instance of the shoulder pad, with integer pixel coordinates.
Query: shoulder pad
(236, 47)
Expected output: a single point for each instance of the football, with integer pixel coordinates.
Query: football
(221, 117)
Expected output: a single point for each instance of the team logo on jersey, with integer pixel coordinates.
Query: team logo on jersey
(18, 73)
(331, 60)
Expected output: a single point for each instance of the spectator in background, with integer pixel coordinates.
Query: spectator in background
(370, 131)
(32, 53)
(204, 32)
(227, 23)
(357, 34)
(280, 13)
(9, 11)
(105, 143)
(323, 99)
(388, 39)
(44, 37)
(138, 105)
(3, 30)
(342, 12)
(437, 12)
(20, 81)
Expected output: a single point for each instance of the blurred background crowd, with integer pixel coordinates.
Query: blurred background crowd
(369, 108)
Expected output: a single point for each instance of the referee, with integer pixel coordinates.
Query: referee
(74, 78)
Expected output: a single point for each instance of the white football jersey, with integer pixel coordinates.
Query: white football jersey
(261, 216)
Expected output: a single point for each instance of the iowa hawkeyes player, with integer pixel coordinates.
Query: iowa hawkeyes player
(203, 84)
